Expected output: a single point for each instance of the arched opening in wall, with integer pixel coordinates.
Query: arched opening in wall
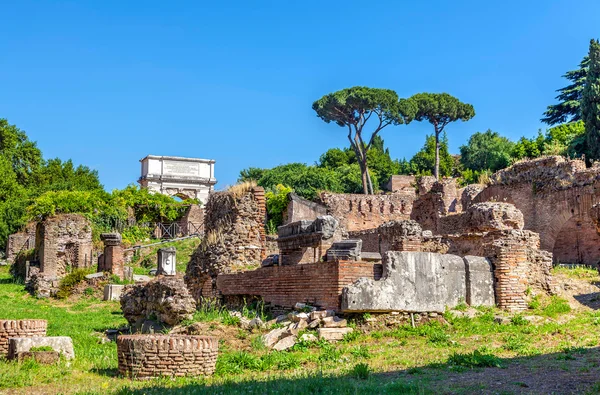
(577, 242)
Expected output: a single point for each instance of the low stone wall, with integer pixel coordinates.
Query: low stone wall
(369, 237)
(19, 328)
(319, 284)
(146, 356)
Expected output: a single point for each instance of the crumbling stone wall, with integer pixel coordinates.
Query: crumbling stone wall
(165, 299)
(234, 238)
(19, 328)
(359, 212)
(555, 195)
(146, 356)
(401, 183)
(63, 241)
(20, 241)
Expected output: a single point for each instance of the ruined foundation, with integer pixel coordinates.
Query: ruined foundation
(20, 328)
(147, 356)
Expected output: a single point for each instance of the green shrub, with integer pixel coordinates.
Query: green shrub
(361, 371)
(519, 320)
(556, 306)
(69, 282)
(361, 351)
(229, 319)
(476, 359)
(329, 354)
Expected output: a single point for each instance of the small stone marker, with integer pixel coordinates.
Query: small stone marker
(113, 291)
(166, 261)
(61, 344)
(332, 334)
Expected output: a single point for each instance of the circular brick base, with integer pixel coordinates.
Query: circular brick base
(145, 356)
(20, 328)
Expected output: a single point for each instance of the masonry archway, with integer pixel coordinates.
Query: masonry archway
(577, 242)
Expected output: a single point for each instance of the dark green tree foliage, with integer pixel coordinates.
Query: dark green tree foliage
(569, 97)
(251, 174)
(440, 109)
(590, 103)
(352, 108)
(424, 161)
(23, 154)
(56, 175)
(486, 151)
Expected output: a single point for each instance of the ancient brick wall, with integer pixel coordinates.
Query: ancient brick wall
(193, 220)
(319, 284)
(359, 212)
(20, 241)
(369, 237)
(145, 356)
(19, 328)
(63, 241)
(234, 239)
(555, 195)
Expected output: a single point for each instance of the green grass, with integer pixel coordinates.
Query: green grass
(395, 359)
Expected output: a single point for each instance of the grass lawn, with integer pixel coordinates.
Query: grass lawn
(550, 348)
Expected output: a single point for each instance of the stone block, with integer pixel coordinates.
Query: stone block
(308, 337)
(42, 357)
(333, 334)
(61, 344)
(345, 250)
(113, 291)
(318, 315)
(334, 322)
(480, 281)
(167, 258)
(285, 343)
(411, 281)
(273, 337)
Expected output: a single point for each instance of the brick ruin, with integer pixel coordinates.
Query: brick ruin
(531, 215)
(235, 239)
(20, 242)
(555, 195)
(19, 328)
(147, 356)
(63, 242)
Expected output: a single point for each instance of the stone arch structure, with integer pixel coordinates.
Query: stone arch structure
(555, 195)
(177, 176)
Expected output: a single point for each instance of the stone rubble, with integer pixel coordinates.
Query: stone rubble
(328, 326)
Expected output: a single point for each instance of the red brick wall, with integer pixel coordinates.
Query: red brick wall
(20, 328)
(359, 212)
(319, 284)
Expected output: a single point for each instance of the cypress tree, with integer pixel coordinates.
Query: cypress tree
(590, 103)
(569, 97)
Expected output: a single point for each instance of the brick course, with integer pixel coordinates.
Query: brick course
(20, 328)
(146, 356)
(319, 284)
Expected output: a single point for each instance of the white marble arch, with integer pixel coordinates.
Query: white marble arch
(178, 176)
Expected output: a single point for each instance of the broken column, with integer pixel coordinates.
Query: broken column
(400, 236)
(114, 260)
(166, 261)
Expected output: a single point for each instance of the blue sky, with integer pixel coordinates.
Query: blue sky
(108, 82)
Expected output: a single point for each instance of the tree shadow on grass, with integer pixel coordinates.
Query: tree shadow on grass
(573, 370)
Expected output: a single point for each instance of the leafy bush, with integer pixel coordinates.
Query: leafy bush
(276, 201)
(475, 359)
(65, 288)
(556, 306)
(361, 371)
(361, 351)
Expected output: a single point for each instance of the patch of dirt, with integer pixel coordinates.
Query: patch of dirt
(543, 374)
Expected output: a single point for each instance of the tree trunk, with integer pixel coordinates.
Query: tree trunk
(436, 171)
(371, 190)
(365, 177)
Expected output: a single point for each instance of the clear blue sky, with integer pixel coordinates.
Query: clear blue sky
(108, 82)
